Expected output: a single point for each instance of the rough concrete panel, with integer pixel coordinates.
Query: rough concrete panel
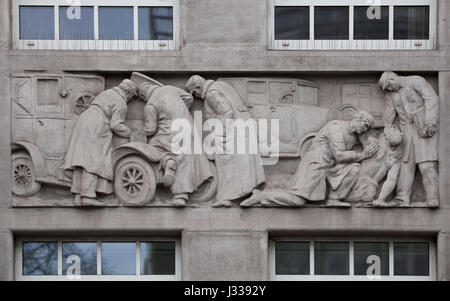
(443, 24)
(231, 22)
(233, 256)
(6, 256)
(443, 255)
(223, 59)
(5, 141)
(444, 138)
(5, 24)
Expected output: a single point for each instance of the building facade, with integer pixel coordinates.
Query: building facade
(302, 63)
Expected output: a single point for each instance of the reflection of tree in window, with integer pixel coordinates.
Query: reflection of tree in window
(40, 258)
(157, 258)
(155, 23)
(86, 251)
(118, 258)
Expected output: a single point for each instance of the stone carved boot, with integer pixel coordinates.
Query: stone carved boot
(77, 200)
(180, 200)
(170, 170)
(85, 201)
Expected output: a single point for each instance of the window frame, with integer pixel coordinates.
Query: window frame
(18, 260)
(351, 44)
(96, 43)
(351, 276)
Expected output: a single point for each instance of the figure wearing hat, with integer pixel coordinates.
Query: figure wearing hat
(416, 104)
(329, 165)
(88, 159)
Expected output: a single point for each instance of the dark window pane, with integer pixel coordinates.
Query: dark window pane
(86, 251)
(411, 259)
(292, 258)
(40, 258)
(76, 23)
(363, 250)
(331, 23)
(291, 23)
(371, 23)
(331, 258)
(411, 22)
(37, 22)
(118, 258)
(115, 23)
(155, 23)
(158, 258)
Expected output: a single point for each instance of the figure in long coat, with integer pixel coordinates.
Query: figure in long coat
(416, 104)
(166, 105)
(238, 174)
(88, 159)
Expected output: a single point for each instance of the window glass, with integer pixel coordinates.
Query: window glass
(411, 259)
(331, 258)
(291, 23)
(411, 22)
(363, 252)
(157, 258)
(118, 258)
(40, 258)
(331, 22)
(155, 23)
(85, 251)
(115, 23)
(371, 23)
(37, 22)
(76, 23)
(292, 258)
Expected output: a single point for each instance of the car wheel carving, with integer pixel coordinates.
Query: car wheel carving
(134, 181)
(23, 175)
(82, 103)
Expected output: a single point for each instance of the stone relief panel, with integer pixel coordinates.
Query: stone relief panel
(77, 144)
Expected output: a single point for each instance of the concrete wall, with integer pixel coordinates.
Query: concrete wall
(228, 38)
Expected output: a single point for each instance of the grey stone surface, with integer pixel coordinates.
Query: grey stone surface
(207, 48)
(222, 256)
(6, 256)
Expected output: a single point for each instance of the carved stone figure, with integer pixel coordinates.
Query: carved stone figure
(416, 104)
(384, 164)
(183, 172)
(88, 157)
(330, 161)
(238, 174)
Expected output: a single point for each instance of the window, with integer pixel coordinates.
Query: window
(352, 24)
(96, 25)
(94, 259)
(362, 259)
(72, 28)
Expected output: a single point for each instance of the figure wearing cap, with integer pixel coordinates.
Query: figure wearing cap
(88, 159)
(414, 102)
(329, 165)
(186, 170)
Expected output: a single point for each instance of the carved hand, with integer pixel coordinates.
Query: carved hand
(430, 129)
(372, 149)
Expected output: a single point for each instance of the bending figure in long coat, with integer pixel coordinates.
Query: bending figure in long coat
(187, 171)
(238, 173)
(88, 159)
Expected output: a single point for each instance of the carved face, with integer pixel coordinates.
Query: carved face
(392, 85)
(359, 126)
(197, 92)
